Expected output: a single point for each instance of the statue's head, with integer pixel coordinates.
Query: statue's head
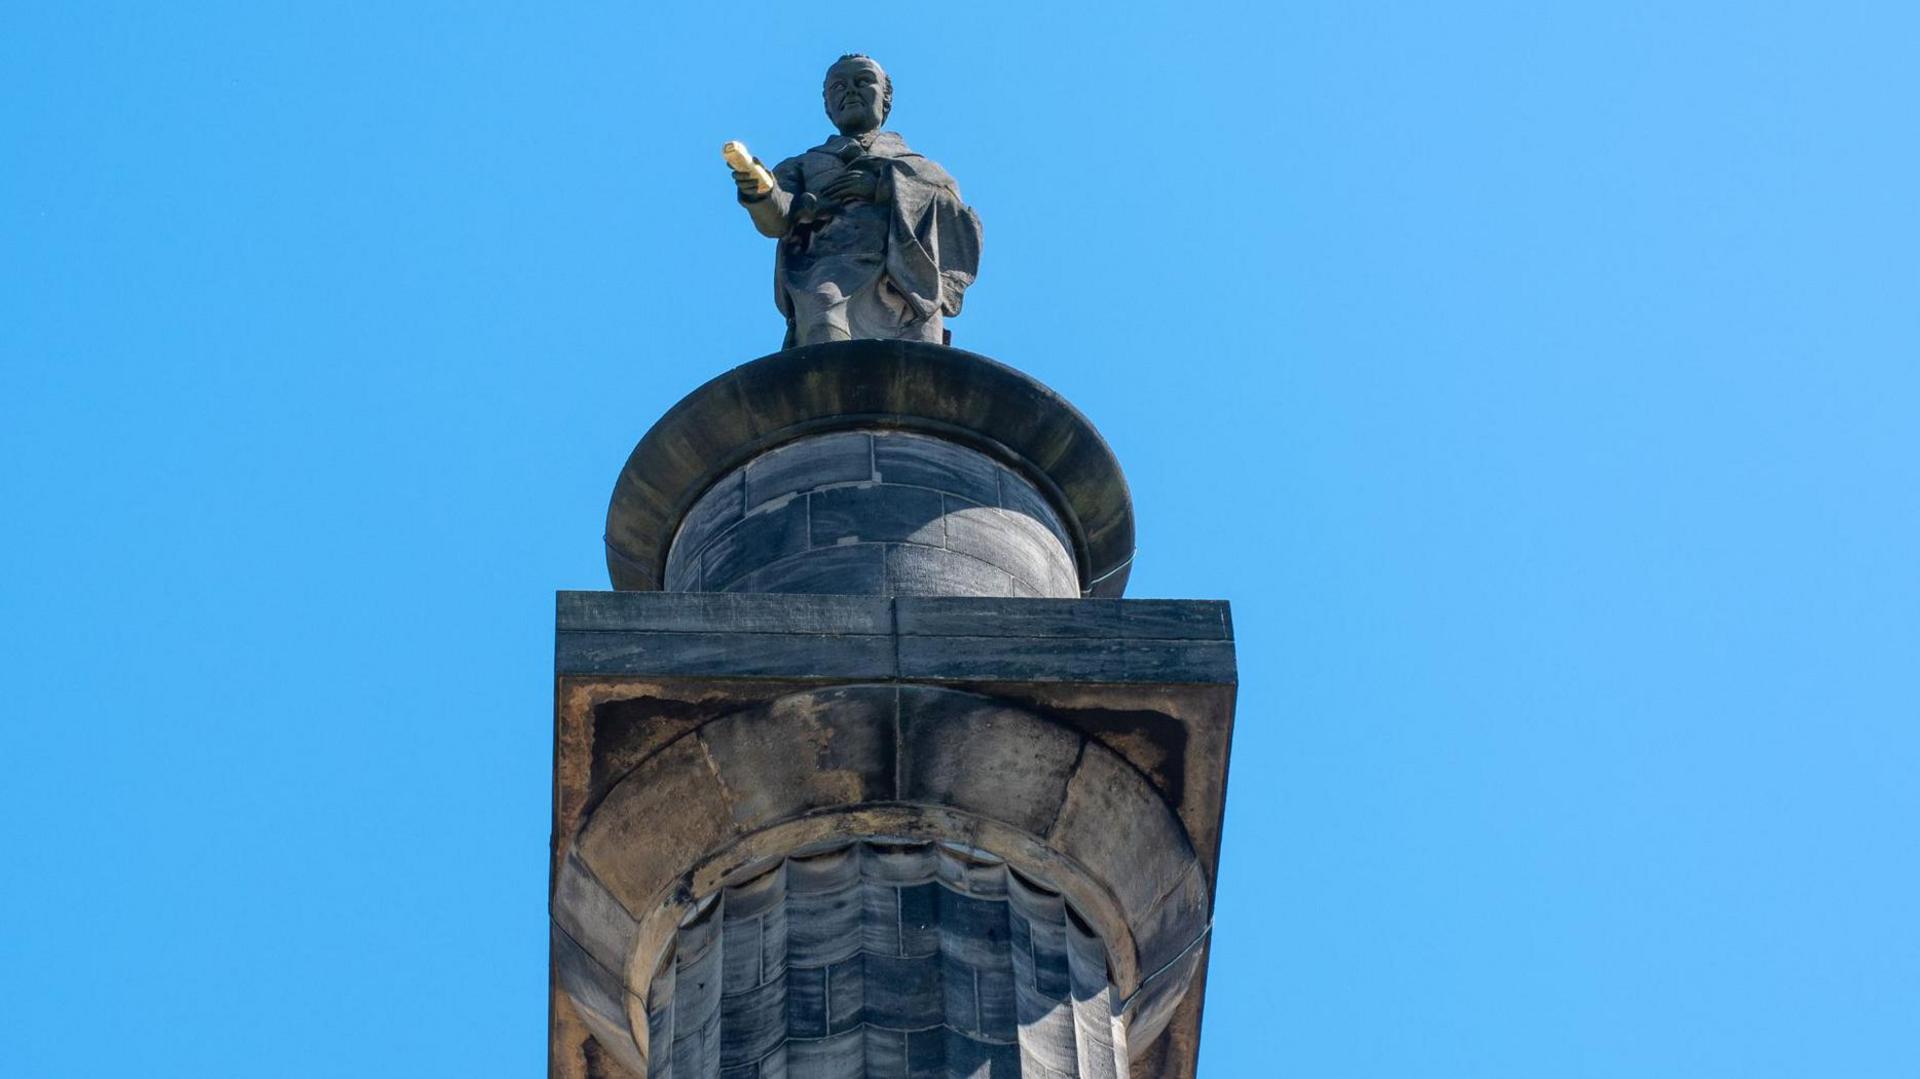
(858, 94)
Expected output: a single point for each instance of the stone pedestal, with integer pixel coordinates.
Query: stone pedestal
(849, 780)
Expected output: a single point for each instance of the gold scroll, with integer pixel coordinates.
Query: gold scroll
(740, 160)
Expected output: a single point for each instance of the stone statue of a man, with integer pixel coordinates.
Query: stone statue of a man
(874, 240)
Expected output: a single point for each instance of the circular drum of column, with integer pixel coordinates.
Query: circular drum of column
(873, 512)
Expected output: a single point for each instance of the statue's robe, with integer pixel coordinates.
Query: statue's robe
(895, 267)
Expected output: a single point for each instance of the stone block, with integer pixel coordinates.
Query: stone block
(819, 752)
(913, 570)
(1175, 620)
(1017, 496)
(807, 1001)
(591, 917)
(708, 612)
(936, 464)
(1179, 918)
(754, 1023)
(851, 658)
(968, 754)
(846, 994)
(591, 984)
(1142, 861)
(853, 569)
(768, 533)
(671, 811)
(1149, 680)
(832, 1057)
(846, 457)
(876, 513)
(974, 1057)
(716, 511)
(1016, 544)
(957, 616)
(906, 993)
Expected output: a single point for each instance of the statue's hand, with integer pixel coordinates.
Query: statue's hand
(749, 186)
(852, 186)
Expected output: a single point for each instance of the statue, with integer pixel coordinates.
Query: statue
(873, 238)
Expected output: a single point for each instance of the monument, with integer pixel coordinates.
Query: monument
(864, 768)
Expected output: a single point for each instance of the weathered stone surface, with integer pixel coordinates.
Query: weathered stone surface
(975, 978)
(706, 612)
(853, 568)
(939, 465)
(1152, 684)
(1025, 549)
(853, 638)
(966, 617)
(669, 813)
(913, 570)
(1048, 659)
(1145, 856)
(820, 461)
(1017, 767)
(803, 753)
(592, 919)
(768, 532)
(876, 513)
(808, 501)
(851, 658)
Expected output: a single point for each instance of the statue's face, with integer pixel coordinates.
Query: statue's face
(856, 93)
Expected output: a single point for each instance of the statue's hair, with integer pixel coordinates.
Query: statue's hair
(886, 82)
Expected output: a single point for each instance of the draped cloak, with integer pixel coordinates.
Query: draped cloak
(891, 268)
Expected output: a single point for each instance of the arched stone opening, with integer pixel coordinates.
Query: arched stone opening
(1013, 828)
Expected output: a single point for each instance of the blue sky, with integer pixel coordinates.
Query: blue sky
(1538, 381)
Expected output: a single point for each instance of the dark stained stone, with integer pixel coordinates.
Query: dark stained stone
(920, 920)
(846, 994)
(857, 569)
(717, 511)
(1165, 619)
(814, 462)
(807, 1001)
(921, 616)
(938, 465)
(979, 1059)
(598, 988)
(758, 539)
(801, 760)
(1054, 660)
(755, 1023)
(882, 512)
(706, 612)
(824, 479)
(1020, 497)
(905, 992)
(927, 1053)
(854, 658)
(836, 1054)
(939, 637)
(1023, 785)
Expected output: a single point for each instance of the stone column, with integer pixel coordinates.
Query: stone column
(865, 770)
(873, 512)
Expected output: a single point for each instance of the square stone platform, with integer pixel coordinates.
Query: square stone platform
(1152, 680)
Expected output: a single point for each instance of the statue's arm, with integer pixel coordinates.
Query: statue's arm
(772, 211)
